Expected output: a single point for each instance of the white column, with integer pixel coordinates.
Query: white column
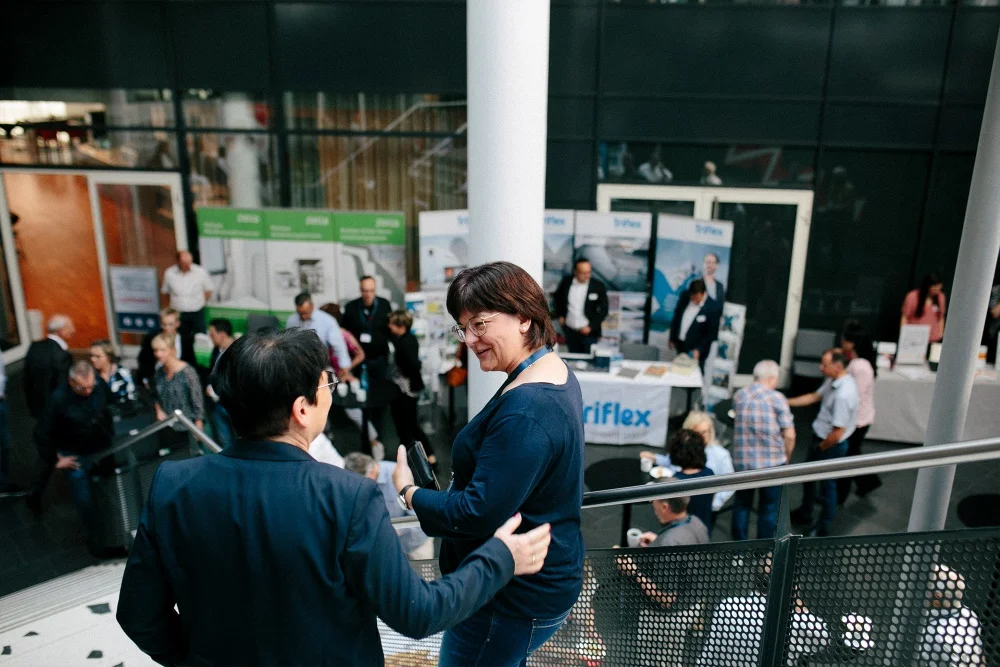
(508, 78)
(242, 160)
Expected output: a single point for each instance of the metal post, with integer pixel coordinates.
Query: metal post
(977, 257)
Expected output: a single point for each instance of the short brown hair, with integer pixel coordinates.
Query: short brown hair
(401, 318)
(503, 287)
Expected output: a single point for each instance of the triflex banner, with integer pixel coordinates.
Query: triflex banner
(619, 413)
(260, 259)
(617, 246)
(558, 252)
(686, 249)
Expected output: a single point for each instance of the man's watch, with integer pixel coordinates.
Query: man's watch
(401, 498)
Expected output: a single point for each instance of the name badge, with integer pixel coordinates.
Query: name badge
(700, 318)
(592, 297)
(366, 338)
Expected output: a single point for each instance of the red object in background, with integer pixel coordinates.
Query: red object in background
(262, 113)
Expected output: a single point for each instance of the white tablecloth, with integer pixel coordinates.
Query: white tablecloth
(903, 403)
(630, 411)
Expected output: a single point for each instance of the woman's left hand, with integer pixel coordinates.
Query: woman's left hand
(401, 476)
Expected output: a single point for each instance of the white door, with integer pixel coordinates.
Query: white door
(771, 237)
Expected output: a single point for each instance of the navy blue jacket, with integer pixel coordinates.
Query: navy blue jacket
(273, 558)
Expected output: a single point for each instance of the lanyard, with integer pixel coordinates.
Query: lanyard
(370, 315)
(521, 367)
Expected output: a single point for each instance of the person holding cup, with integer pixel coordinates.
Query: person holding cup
(523, 453)
(677, 527)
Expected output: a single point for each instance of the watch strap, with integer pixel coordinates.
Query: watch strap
(402, 495)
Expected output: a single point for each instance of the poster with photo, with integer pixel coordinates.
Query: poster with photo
(444, 246)
(371, 244)
(686, 249)
(617, 247)
(300, 258)
(558, 248)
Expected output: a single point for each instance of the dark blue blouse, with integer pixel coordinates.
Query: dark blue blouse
(522, 453)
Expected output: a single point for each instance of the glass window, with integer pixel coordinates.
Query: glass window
(114, 108)
(367, 112)
(88, 147)
(380, 173)
(237, 111)
(233, 169)
(9, 335)
(656, 163)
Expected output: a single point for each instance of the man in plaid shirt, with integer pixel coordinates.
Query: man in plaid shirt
(764, 438)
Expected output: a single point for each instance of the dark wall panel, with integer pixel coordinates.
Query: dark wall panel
(959, 128)
(714, 50)
(971, 58)
(222, 45)
(880, 125)
(887, 52)
(765, 122)
(569, 170)
(571, 117)
(942, 230)
(85, 45)
(573, 50)
(371, 47)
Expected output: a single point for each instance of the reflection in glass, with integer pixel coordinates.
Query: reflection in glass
(685, 208)
(99, 108)
(9, 335)
(654, 163)
(233, 169)
(368, 112)
(89, 147)
(759, 274)
(380, 173)
(211, 109)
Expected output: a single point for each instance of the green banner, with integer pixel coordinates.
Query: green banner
(371, 228)
(292, 225)
(237, 316)
(232, 223)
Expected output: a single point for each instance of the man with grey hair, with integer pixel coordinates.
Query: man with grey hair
(46, 363)
(677, 527)
(75, 424)
(764, 438)
(415, 543)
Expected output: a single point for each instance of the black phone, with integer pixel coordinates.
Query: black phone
(423, 474)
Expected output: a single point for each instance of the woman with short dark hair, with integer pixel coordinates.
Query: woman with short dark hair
(687, 452)
(406, 375)
(523, 453)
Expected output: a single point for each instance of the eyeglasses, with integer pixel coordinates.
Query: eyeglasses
(331, 385)
(477, 324)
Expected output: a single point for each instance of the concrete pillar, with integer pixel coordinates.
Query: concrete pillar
(242, 160)
(977, 259)
(508, 78)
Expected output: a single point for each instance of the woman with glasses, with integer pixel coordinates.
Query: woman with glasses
(522, 454)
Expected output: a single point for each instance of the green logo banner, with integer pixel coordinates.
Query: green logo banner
(230, 223)
(292, 225)
(371, 228)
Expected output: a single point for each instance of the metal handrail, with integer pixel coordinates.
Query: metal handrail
(177, 418)
(909, 459)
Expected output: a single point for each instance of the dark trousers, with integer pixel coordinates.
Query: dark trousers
(404, 418)
(577, 342)
(193, 322)
(863, 483)
(767, 512)
(79, 488)
(827, 487)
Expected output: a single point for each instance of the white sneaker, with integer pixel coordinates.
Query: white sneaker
(378, 451)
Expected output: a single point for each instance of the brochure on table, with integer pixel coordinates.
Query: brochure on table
(685, 249)
(912, 347)
(260, 259)
(617, 246)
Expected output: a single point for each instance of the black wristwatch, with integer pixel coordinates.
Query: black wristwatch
(401, 498)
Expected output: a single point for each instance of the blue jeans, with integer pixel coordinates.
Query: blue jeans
(827, 488)
(222, 425)
(4, 444)
(489, 639)
(767, 513)
(79, 488)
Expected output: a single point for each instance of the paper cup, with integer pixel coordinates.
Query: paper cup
(355, 385)
(645, 464)
(633, 536)
(342, 389)
(361, 395)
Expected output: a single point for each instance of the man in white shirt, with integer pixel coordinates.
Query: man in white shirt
(307, 317)
(581, 303)
(188, 287)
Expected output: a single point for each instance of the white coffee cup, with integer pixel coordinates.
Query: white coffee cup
(343, 389)
(632, 536)
(645, 464)
(355, 385)
(361, 395)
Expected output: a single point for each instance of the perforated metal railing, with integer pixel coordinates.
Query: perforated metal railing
(914, 599)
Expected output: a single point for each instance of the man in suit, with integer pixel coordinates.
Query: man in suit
(46, 363)
(272, 557)
(715, 289)
(368, 319)
(581, 306)
(696, 323)
(170, 322)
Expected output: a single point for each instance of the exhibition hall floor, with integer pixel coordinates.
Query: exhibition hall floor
(40, 548)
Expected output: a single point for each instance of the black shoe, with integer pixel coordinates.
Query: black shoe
(801, 516)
